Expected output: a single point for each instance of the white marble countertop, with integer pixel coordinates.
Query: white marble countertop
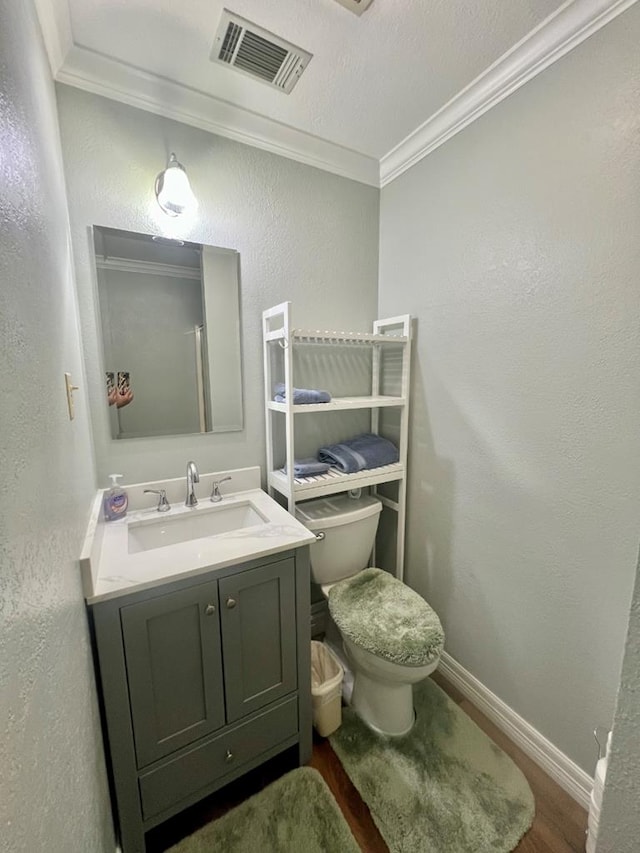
(109, 569)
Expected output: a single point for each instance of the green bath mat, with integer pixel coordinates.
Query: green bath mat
(443, 788)
(294, 814)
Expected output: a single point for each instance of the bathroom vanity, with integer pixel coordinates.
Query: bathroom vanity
(201, 644)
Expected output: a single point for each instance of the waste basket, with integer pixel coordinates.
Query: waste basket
(326, 689)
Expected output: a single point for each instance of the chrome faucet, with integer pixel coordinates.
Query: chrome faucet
(192, 477)
(216, 497)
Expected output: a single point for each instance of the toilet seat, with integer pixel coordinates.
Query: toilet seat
(383, 616)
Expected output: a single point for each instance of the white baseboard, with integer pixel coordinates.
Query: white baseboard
(555, 763)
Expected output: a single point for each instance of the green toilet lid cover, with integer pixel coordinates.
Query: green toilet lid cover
(382, 615)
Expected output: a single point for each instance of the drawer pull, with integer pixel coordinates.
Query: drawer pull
(210, 609)
(231, 603)
(229, 756)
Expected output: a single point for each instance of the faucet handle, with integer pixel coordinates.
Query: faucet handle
(216, 497)
(163, 503)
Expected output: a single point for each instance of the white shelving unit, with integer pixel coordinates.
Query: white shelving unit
(278, 331)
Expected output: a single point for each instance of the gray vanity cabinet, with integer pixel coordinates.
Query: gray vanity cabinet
(258, 637)
(174, 672)
(200, 681)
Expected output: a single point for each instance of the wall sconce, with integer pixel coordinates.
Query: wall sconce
(173, 190)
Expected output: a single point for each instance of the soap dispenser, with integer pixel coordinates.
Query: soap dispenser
(115, 500)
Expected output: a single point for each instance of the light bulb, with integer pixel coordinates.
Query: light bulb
(173, 189)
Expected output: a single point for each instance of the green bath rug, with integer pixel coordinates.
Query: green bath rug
(443, 788)
(294, 814)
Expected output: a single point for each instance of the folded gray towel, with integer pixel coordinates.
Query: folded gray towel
(308, 467)
(360, 453)
(301, 396)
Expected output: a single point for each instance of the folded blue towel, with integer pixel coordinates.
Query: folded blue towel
(359, 453)
(308, 467)
(301, 396)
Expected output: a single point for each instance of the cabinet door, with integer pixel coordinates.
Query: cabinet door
(257, 613)
(174, 669)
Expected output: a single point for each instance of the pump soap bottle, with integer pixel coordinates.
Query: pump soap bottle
(115, 500)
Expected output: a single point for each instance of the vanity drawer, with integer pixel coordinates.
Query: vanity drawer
(194, 770)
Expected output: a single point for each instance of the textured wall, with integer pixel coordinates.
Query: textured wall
(302, 235)
(620, 819)
(53, 792)
(516, 246)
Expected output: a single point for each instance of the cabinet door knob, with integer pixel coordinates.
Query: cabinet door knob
(231, 603)
(210, 609)
(229, 755)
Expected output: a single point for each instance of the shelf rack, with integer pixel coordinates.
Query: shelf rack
(278, 330)
(339, 404)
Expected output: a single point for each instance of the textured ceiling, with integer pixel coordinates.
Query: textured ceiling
(372, 81)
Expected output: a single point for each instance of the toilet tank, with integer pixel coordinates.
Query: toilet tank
(349, 526)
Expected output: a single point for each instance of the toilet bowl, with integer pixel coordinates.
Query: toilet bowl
(391, 637)
(382, 691)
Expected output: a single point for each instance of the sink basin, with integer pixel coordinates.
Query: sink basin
(195, 524)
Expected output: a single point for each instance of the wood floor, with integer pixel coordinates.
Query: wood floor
(559, 825)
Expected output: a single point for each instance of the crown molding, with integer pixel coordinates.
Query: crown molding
(558, 34)
(574, 22)
(149, 268)
(55, 23)
(101, 75)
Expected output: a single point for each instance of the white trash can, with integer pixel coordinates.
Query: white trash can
(326, 689)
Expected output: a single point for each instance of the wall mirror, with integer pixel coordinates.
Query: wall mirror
(170, 324)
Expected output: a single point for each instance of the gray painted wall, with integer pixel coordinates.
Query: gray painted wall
(516, 247)
(302, 234)
(53, 792)
(620, 819)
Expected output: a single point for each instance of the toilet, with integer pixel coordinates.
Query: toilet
(392, 638)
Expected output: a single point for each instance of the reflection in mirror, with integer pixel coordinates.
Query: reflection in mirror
(170, 322)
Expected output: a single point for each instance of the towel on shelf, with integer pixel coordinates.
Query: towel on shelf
(301, 396)
(308, 467)
(359, 453)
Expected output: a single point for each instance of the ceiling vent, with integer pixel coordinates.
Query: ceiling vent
(357, 6)
(259, 53)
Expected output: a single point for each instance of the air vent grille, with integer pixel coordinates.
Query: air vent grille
(257, 52)
(230, 41)
(259, 56)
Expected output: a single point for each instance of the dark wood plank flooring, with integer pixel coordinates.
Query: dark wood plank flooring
(559, 825)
